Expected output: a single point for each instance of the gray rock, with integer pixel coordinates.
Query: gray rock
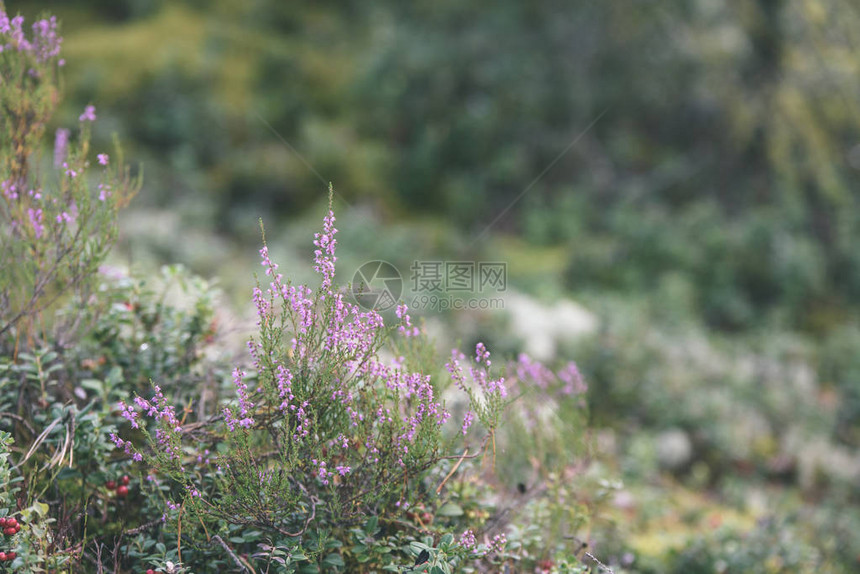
(674, 449)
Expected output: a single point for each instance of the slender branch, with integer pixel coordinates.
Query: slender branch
(238, 561)
(453, 470)
(143, 527)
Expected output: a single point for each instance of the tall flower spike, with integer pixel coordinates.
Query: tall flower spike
(324, 257)
(61, 146)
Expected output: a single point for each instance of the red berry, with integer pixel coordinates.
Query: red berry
(150, 571)
(17, 528)
(11, 522)
(3, 522)
(125, 480)
(110, 485)
(8, 531)
(2, 557)
(10, 555)
(122, 491)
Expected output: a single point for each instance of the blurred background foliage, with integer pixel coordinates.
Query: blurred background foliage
(690, 171)
(724, 152)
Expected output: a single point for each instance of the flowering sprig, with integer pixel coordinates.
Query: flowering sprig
(545, 385)
(54, 232)
(406, 328)
(45, 43)
(488, 396)
(167, 436)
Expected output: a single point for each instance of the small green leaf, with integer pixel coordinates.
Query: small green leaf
(450, 509)
(372, 525)
(41, 508)
(93, 385)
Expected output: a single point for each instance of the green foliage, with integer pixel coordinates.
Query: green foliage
(840, 369)
(725, 155)
(770, 548)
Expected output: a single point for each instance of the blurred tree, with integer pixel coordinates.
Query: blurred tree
(744, 111)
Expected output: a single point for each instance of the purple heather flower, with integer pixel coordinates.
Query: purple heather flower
(35, 216)
(61, 146)
(343, 470)
(467, 540)
(479, 373)
(89, 114)
(285, 386)
(14, 28)
(324, 257)
(497, 543)
(123, 445)
(229, 420)
(572, 379)
(8, 189)
(482, 354)
(406, 329)
(46, 41)
(103, 158)
(467, 421)
(129, 413)
(528, 370)
(456, 370)
(245, 405)
(5, 28)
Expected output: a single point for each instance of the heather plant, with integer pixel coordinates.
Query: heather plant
(337, 420)
(56, 226)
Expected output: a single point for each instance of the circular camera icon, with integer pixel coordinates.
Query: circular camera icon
(377, 285)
